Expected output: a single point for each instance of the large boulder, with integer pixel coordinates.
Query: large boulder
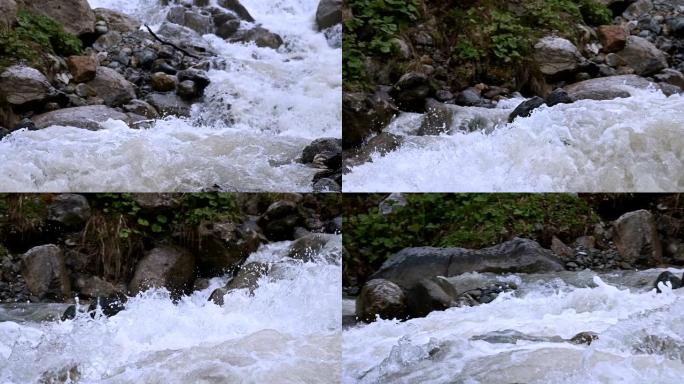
(437, 119)
(75, 15)
(307, 247)
(556, 55)
(606, 88)
(637, 8)
(112, 87)
(71, 210)
(260, 36)
(364, 114)
(8, 13)
(199, 21)
(20, 84)
(612, 37)
(223, 246)
(668, 277)
(45, 273)
(410, 265)
(117, 21)
(642, 56)
(411, 90)
(329, 13)
(636, 238)
(168, 103)
(82, 68)
(382, 298)
(88, 117)
(165, 266)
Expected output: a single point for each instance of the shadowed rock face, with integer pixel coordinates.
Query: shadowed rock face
(411, 265)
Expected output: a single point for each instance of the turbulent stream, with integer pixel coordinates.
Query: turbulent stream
(628, 144)
(288, 332)
(279, 101)
(520, 336)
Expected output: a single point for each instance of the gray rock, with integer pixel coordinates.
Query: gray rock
(93, 286)
(45, 273)
(165, 266)
(469, 97)
(437, 119)
(8, 13)
(248, 277)
(327, 144)
(307, 247)
(525, 108)
(228, 29)
(141, 108)
(239, 9)
(637, 9)
(329, 13)
(112, 87)
(555, 55)
(21, 84)
(75, 15)
(381, 298)
(107, 41)
(606, 88)
(71, 210)
(280, 219)
(117, 21)
(636, 238)
(671, 76)
(364, 114)
(558, 96)
(169, 104)
(410, 91)
(641, 55)
(262, 37)
(87, 117)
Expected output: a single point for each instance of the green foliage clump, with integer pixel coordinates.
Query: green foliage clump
(33, 36)
(595, 13)
(463, 220)
(371, 30)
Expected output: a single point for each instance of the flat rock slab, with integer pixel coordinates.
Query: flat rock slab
(607, 88)
(89, 117)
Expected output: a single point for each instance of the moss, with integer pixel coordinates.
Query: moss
(32, 38)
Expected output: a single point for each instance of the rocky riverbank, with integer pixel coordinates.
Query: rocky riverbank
(70, 65)
(597, 50)
(56, 248)
(416, 281)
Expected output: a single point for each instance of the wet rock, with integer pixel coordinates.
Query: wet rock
(75, 15)
(584, 338)
(239, 9)
(612, 37)
(198, 77)
(82, 68)
(671, 76)
(248, 277)
(364, 114)
(8, 13)
(117, 21)
(326, 185)
(217, 295)
(641, 55)
(437, 119)
(322, 145)
(224, 246)
(71, 210)
(67, 374)
(228, 29)
(280, 219)
(93, 286)
(110, 305)
(107, 41)
(20, 84)
(183, 37)
(525, 108)
(87, 117)
(382, 298)
(606, 88)
(668, 277)
(163, 82)
(558, 96)
(411, 91)
(201, 23)
(260, 36)
(141, 108)
(381, 144)
(410, 265)
(469, 97)
(165, 266)
(169, 104)
(636, 238)
(112, 87)
(556, 55)
(329, 13)
(45, 273)
(307, 247)
(430, 294)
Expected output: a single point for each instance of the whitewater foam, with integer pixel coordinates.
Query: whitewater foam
(626, 144)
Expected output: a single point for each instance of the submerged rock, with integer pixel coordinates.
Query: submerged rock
(525, 108)
(668, 277)
(88, 117)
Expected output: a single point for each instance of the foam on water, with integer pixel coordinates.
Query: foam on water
(640, 339)
(258, 115)
(289, 331)
(628, 144)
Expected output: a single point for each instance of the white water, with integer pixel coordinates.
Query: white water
(288, 332)
(630, 144)
(279, 102)
(641, 338)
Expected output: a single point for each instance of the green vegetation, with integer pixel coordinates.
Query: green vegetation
(371, 30)
(32, 38)
(462, 220)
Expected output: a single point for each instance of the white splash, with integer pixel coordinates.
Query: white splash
(640, 339)
(289, 331)
(629, 144)
(275, 103)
